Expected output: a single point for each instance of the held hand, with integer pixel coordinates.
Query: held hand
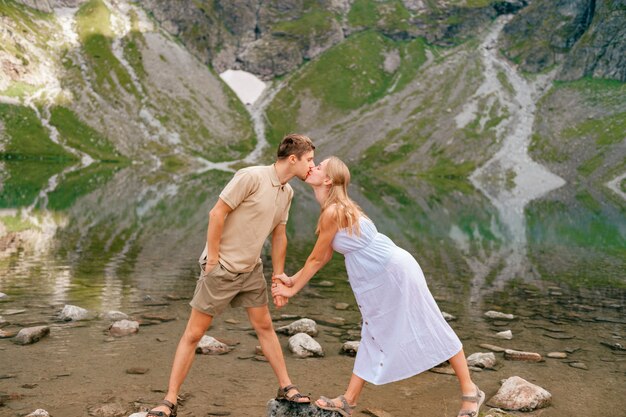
(280, 301)
(288, 281)
(279, 290)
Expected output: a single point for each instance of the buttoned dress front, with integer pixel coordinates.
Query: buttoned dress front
(404, 332)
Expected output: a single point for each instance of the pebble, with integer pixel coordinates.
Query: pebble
(507, 334)
(114, 315)
(307, 326)
(325, 284)
(30, 335)
(210, 346)
(303, 346)
(232, 321)
(217, 413)
(40, 412)
(3, 296)
(498, 315)
(578, 365)
(73, 313)
(7, 334)
(492, 347)
(516, 355)
(557, 355)
(124, 328)
(350, 348)
(137, 371)
(342, 306)
(482, 360)
(158, 317)
(13, 312)
(258, 351)
(448, 316)
(559, 336)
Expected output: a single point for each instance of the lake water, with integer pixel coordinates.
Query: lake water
(127, 238)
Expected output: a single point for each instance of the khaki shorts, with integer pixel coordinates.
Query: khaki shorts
(218, 288)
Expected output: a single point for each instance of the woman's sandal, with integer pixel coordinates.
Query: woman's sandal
(173, 410)
(345, 409)
(282, 395)
(478, 398)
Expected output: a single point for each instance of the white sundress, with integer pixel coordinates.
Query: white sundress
(404, 332)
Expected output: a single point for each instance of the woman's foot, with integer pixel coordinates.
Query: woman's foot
(166, 409)
(339, 405)
(470, 405)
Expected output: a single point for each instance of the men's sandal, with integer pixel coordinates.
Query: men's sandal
(345, 409)
(294, 398)
(173, 409)
(478, 398)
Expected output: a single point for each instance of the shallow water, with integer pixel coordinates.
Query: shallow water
(127, 238)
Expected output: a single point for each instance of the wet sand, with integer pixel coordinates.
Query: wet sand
(81, 366)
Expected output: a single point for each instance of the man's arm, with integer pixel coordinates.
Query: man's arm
(217, 215)
(279, 249)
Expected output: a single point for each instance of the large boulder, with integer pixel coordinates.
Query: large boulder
(517, 394)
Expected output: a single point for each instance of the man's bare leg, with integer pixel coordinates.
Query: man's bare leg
(262, 322)
(197, 325)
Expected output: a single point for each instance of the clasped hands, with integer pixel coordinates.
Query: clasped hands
(281, 289)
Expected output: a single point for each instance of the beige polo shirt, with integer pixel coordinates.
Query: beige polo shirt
(260, 203)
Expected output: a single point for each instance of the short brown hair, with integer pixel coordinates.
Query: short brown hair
(294, 144)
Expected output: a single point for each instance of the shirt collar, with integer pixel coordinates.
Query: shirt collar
(274, 176)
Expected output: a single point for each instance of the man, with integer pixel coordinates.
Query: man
(253, 204)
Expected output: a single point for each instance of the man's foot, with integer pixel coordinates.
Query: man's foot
(292, 394)
(166, 409)
(339, 405)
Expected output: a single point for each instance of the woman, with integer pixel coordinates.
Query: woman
(404, 333)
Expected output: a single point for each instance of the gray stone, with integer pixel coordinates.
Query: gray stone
(210, 346)
(303, 346)
(30, 335)
(578, 365)
(40, 412)
(498, 315)
(114, 315)
(447, 316)
(516, 355)
(517, 394)
(507, 335)
(482, 360)
(307, 326)
(110, 409)
(350, 348)
(124, 328)
(73, 313)
(493, 348)
(288, 409)
(3, 296)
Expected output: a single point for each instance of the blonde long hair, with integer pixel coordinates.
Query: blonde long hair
(347, 212)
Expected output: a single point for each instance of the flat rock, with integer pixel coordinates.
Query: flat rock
(493, 348)
(496, 412)
(137, 371)
(342, 306)
(73, 313)
(561, 336)
(307, 326)
(3, 296)
(517, 355)
(446, 370)
(578, 365)
(13, 311)
(498, 315)
(6, 334)
(557, 355)
(111, 409)
(211, 346)
(517, 394)
(124, 328)
(303, 346)
(482, 360)
(232, 321)
(158, 317)
(30, 335)
(325, 284)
